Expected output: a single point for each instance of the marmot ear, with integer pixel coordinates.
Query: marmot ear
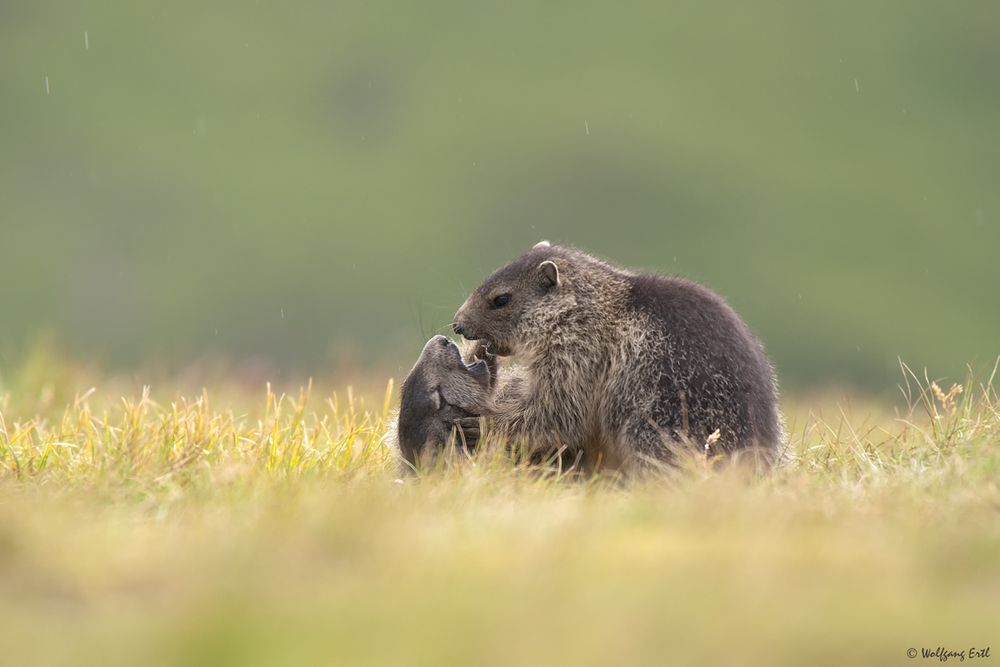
(550, 273)
(542, 244)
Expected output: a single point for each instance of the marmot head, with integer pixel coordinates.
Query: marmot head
(518, 304)
(439, 392)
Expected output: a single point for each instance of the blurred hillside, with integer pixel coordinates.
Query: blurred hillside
(320, 181)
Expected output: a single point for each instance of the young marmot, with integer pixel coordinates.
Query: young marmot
(441, 394)
(622, 368)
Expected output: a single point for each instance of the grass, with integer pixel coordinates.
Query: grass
(267, 530)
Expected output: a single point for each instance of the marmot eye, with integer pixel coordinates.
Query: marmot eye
(501, 301)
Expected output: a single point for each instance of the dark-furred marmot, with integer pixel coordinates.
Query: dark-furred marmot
(621, 368)
(441, 394)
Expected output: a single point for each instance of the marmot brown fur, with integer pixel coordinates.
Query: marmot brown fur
(621, 368)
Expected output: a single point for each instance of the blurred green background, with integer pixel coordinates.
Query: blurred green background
(318, 185)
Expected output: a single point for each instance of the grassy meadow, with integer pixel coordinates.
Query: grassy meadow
(249, 526)
(212, 202)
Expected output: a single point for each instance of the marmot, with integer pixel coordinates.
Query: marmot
(442, 393)
(621, 368)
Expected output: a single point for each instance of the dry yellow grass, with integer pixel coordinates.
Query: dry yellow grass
(151, 530)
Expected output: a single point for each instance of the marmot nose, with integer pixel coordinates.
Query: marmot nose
(459, 329)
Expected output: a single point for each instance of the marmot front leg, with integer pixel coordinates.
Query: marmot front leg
(533, 429)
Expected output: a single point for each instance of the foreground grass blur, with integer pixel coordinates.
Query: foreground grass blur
(151, 530)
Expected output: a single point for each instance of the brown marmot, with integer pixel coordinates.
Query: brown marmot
(621, 368)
